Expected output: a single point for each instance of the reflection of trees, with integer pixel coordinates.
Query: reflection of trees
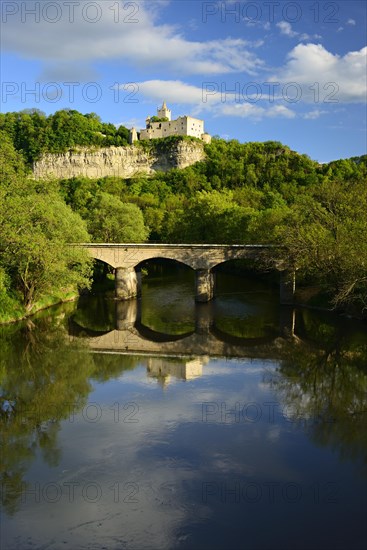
(42, 380)
(326, 387)
(111, 366)
(96, 312)
(255, 326)
(44, 377)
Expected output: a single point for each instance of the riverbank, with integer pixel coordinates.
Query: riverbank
(17, 312)
(307, 295)
(312, 297)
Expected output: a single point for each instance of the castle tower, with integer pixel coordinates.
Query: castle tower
(164, 112)
(133, 136)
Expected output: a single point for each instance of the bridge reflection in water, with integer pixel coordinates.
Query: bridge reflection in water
(164, 369)
(131, 336)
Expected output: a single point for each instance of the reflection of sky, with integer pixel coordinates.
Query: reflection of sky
(169, 454)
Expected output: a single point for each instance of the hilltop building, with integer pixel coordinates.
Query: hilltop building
(162, 126)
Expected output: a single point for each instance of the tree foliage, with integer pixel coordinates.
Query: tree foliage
(326, 237)
(45, 377)
(243, 193)
(33, 133)
(112, 221)
(36, 229)
(257, 193)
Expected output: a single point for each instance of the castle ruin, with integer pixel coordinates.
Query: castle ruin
(162, 126)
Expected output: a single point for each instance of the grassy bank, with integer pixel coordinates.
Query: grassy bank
(313, 297)
(12, 310)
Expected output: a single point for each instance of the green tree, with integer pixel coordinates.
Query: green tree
(326, 237)
(114, 221)
(34, 134)
(212, 217)
(36, 230)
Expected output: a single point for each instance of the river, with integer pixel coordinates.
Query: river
(161, 424)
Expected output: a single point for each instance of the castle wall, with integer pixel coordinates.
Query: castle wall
(194, 127)
(182, 126)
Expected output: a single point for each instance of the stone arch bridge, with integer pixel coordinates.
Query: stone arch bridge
(203, 258)
(130, 335)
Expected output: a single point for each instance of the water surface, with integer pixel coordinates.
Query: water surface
(159, 424)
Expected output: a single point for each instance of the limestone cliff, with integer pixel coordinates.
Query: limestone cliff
(123, 162)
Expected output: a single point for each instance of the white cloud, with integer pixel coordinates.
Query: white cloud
(313, 115)
(255, 23)
(286, 29)
(242, 110)
(256, 112)
(280, 111)
(176, 91)
(304, 36)
(173, 91)
(339, 78)
(115, 36)
(319, 75)
(351, 22)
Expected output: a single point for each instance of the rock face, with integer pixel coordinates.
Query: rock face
(122, 162)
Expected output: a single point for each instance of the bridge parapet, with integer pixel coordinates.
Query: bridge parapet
(196, 256)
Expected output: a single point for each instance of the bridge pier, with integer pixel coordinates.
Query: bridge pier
(287, 287)
(204, 285)
(127, 283)
(203, 318)
(127, 312)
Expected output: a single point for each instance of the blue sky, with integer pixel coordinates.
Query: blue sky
(294, 72)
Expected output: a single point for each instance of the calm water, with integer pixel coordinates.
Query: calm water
(159, 424)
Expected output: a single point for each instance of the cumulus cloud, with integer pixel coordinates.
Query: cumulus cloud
(339, 78)
(280, 111)
(134, 37)
(174, 91)
(286, 28)
(311, 74)
(209, 99)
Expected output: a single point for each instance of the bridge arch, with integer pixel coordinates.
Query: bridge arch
(168, 258)
(137, 337)
(125, 258)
